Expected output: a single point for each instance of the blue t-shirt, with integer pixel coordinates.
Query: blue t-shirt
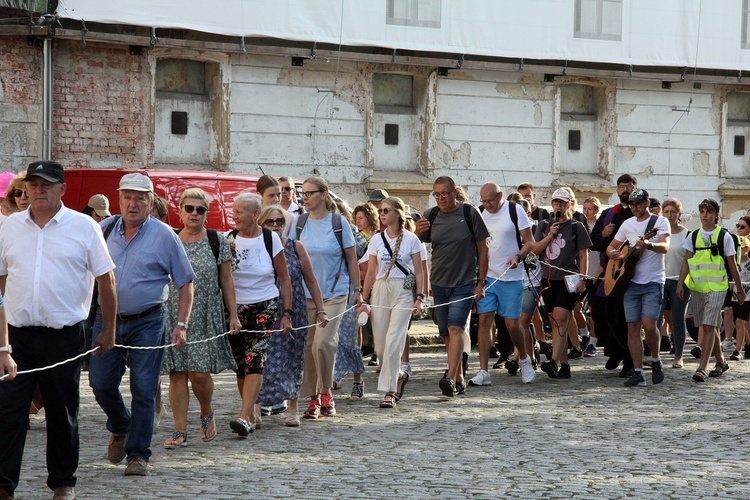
(326, 256)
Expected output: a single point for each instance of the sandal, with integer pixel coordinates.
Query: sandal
(389, 401)
(207, 424)
(719, 369)
(700, 375)
(242, 427)
(292, 421)
(177, 440)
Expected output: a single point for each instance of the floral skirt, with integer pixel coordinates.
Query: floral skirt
(249, 345)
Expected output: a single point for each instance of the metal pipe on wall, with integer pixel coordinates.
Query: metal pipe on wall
(47, 97)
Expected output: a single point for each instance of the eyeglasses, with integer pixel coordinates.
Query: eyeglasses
(442, 195)
(201, 210)
(740, 226)
(307, 194)
(17, 193)
(384, 211)
(274, 222)
(491, 200)
(626, 186)
(287, 188)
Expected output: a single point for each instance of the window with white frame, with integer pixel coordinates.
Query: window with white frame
(419, 13)
(745, 24)
(599, 19)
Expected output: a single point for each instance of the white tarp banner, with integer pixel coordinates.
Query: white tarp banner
(706, 33)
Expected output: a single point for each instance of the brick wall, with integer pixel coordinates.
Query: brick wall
(101, 112)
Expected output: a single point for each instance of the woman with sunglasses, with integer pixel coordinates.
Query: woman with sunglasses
(196, 362)
(674, 308)
(393, 255)
(15, 195)
(741, 313)
(330, 265)
(282, 377)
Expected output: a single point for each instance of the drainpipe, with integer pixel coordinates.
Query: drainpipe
(47, 77)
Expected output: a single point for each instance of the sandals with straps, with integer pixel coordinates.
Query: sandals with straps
(389, 401)
(177, 440)
(207, 422)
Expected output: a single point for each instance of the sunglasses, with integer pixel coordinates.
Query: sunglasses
(274, 222)
(384, 211)
(201, 210)
(287, 188)
(740, 226)
(17, 193)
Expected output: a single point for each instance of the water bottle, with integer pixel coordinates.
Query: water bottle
(363, 316)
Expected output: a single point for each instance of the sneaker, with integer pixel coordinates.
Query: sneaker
(313, 411)
(327, 406)
(719, 369)
(564, 371)
(696, 352)
(550, 368)
(727, 344)
(279, 408)
(373, 360)
(136, 467)
(735, 355)
(574, 353)
(400, 384)
(700, 375)
(512, 366)
(448, 387)
(406, 367)
(358, 390)
(116, 449)
(481, 378)
(528, 375)
(636, 380)
(460, 387)
(584, 343)
(590, 351)
(665, 345)
(265, 411)
(657, 374)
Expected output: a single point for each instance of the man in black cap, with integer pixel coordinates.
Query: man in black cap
(648, 236)
(49, 256)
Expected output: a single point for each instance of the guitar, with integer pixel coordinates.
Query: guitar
(619, 272)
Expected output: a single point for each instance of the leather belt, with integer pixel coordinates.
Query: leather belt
(143, 314)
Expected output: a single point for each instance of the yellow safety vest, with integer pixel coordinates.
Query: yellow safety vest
(707, 271)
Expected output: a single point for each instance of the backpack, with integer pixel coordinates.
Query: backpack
(360, 242)
(467, 218)
(267, 241)
(718, 249)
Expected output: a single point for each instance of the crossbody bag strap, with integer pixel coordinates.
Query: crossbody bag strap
(390, 252)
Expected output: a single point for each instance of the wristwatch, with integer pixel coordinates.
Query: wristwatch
(7, 348)
(358, 289)
(182, 324)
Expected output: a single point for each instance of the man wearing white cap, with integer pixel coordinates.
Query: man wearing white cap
(147, 254)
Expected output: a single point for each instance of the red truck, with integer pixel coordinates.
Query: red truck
(221, 187)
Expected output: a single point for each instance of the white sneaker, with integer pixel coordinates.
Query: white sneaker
(727, 344)
(528, 375)
(481, 378)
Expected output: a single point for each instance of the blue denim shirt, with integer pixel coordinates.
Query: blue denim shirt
(144, 266)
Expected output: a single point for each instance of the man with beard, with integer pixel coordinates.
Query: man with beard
(610, 313)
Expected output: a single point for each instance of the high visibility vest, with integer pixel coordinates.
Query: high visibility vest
(707, 271)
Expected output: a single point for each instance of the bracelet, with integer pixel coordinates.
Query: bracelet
(420, 296)
(289, 311)
(318, 313)
(520, 259)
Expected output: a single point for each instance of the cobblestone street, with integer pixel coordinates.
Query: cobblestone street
(588, 437)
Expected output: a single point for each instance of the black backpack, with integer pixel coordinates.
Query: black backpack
(718, 249)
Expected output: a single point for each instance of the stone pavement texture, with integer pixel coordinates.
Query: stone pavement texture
(587, 437)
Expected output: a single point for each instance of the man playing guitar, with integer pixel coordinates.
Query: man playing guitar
(643, 297)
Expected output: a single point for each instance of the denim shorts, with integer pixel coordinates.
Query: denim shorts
(643, 301)
(454, 314)
(529, 301)
(503, 298)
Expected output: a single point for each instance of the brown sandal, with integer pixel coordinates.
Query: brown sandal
(389, 401)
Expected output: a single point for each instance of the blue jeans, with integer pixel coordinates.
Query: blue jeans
(453, 314)
(105, 375)
(678, 308)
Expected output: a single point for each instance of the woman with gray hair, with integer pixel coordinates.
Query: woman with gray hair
(259, 258)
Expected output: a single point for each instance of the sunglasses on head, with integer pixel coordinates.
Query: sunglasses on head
(274, 222)
(201, 210)
(383, 211)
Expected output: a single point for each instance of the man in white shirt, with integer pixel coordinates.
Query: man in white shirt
(49, 256)
(504, 289)
(643, 297)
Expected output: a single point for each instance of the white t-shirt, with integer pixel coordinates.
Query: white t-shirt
(254, 277)
(410, 245)
(676, 254)
(650, 267)
(502, 243)
(706, 235)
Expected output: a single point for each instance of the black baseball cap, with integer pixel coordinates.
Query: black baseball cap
(47, 170)
(638, 196)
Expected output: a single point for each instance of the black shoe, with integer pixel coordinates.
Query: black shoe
(574, 353)
(719, 369)
(735, 355)
(636, 380)
(373, 360)
(665, 345)
(460, 388)
(696, 352)
(613, 362)
(627, 370)
(493, 352)
(550, 368)
(546, 349)
(657, 375)
(564, 371)
(448, 387)
(465, 363)
(511, 366)
(499, 363)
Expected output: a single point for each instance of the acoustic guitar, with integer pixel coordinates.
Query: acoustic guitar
(619, 272)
